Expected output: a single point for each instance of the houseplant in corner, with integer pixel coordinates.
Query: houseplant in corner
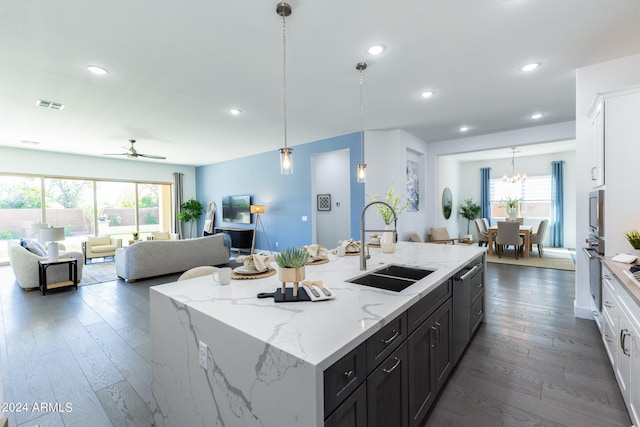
(387, 242)
(190, 211)
(291, 262)
(469, 210)
(633, 237)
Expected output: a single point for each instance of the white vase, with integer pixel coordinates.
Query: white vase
(387, 241)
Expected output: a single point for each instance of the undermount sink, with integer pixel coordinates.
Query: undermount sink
(392, 277)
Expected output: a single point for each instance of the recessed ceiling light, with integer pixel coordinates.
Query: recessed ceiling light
(376, 49)
(463, 128)
(530, 67)
(235, 111)
(97, 70)
(536, 116)
(427, 94)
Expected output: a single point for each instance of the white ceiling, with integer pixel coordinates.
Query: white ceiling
(176, 68)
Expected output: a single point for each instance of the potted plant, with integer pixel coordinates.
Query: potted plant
(136, 235)
(633, 237)
(512, 206)
(291, 262)
(190, 211)
(392, 199)
(469, 210)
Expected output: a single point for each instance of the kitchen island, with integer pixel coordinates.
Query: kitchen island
(266, 361)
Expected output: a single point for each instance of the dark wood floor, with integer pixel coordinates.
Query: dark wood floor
(531, 363)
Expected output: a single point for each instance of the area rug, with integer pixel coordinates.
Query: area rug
(100, 272)
(557, 258)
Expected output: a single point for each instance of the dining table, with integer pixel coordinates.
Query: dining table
(525, 232)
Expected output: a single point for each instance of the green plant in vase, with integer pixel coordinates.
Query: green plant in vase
(633, 237)
(469, 210)
(136, 235)
(291, 262)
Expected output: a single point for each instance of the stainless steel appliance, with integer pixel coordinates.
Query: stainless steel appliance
(595, 269)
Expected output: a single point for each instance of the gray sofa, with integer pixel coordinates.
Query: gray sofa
(151, 258)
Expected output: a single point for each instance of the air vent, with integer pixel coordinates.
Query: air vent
(49, 104)
(25, 142)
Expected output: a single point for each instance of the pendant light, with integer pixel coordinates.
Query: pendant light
(286, 154)
(515, 177)
(362, 167)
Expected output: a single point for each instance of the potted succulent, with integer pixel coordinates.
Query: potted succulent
(633, 237)
(136, 235)
(469, 210)
(291, 262)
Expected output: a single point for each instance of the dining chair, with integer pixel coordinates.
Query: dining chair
(538, 236)
(509, 234)
(483, 233)
(441, 235)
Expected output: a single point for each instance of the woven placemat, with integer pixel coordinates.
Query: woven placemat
(267, 273)
(319, 261)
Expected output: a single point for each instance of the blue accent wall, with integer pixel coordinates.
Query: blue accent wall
(286, 197)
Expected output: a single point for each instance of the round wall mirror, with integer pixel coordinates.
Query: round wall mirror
(447, 203)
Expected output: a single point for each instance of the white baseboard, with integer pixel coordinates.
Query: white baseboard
(582, 312)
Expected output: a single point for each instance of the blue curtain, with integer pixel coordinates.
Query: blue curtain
(556, 223)
(485, 193)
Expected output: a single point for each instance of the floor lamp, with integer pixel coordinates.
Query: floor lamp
(257, 210)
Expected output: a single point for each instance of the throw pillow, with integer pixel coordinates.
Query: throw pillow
(34, 247)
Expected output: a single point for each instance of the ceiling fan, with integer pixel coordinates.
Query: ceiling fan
(132, 153)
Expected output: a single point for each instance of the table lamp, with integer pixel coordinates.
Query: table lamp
(35, 228)
(257, 210)
(52, 235)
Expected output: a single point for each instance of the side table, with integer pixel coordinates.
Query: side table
(73, 274)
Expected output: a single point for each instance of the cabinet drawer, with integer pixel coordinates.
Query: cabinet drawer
(380, 345)
(343, 377)
(477, 312)
(424, 308)
(477, 285)
(610, 306)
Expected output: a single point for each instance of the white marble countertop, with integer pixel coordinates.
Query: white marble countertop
(322, 332)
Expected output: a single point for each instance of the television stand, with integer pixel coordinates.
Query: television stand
(241, 238)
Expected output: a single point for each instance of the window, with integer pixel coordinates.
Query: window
(534, 195)
(81, 206)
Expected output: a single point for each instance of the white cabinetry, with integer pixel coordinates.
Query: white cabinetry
(621, 336)
(596, 116)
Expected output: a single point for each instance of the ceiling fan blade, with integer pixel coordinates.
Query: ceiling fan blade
(151, 156)
(115, 154)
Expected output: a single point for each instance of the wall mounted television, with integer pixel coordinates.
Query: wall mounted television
(236, 209)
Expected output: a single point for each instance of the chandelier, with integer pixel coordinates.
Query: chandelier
(515, 177)
(286, 153)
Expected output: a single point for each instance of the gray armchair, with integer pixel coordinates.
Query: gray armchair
(538, 236)
(509, 234)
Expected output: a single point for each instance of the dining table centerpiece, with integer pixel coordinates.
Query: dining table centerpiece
(399, 205)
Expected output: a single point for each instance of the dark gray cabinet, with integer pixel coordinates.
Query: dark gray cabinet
(407, 361)
(387, 400)
(430, 355)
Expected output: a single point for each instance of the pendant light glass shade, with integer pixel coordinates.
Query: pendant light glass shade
(362, 167)
(286, 154)
(286, 161)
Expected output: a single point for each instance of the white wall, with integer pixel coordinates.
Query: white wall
(531, 166)
(448, 176)
(386, 154)
(591, 80)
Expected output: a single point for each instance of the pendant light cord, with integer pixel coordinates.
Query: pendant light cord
(284, 76)
(361, 118)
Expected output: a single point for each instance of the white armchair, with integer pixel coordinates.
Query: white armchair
(25, 267)
(163, 235)
(100, 247)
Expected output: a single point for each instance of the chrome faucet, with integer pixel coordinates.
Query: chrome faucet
(363, 257)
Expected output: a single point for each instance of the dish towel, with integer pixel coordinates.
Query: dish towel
(260, 261)
(316, 252)
(350, 246)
